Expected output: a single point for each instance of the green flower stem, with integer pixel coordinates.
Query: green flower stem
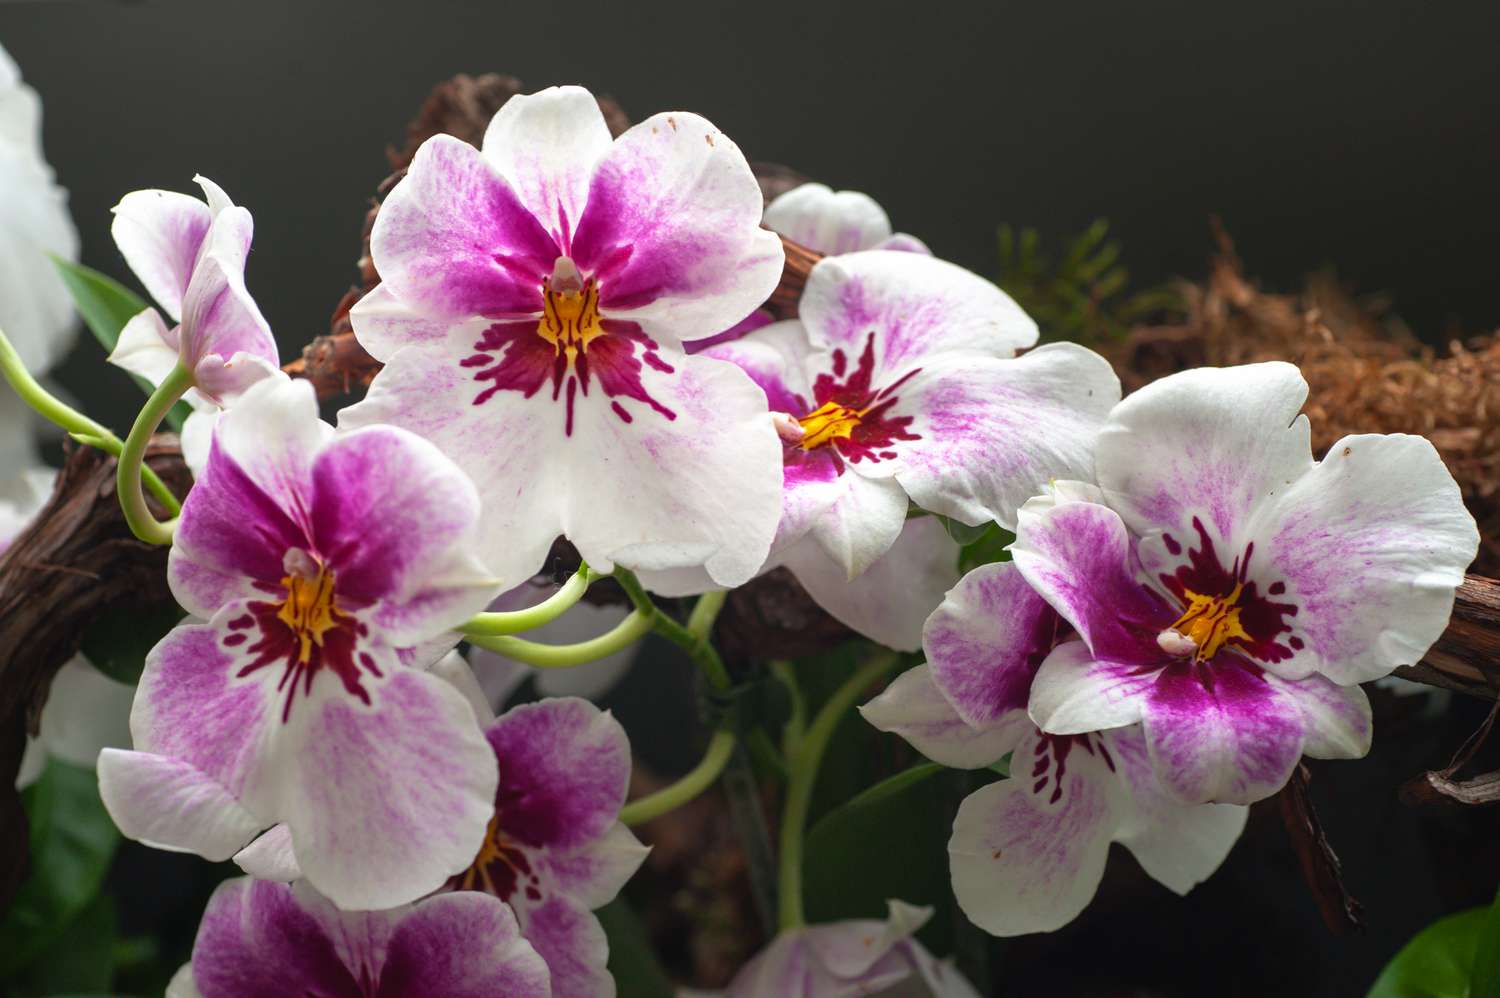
(128, 473)
(622, 636)
(804, 774)
(796, 724)
(693, 639)
(702, 776)
(529, 619)
(79, 427)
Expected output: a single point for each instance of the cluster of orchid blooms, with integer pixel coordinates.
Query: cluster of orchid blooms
(572, 346)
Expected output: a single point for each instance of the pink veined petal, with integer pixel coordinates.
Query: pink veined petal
(1336, 719)
(384, 324)
(249, 505)
(913, 708)
(1211, 443)
(1077, 555)
(991, 433)
(146, 347)
(1179, 845)
(1075, 692)
(453, 239)
(172, 805)
(564, 772)
(1370, 546)
(546, 145)
(218, 315)
(891, 599)
(160, 233)
(910, 307)
(1027, 853)
(1221, 733)
(828, 221)
(672, 230)
(903, 242)
(860, 525)
(396, 521)
(256, 938)
(464, 945)
(572, 942)
(593, 874)
(758, 319)
(985, 641)
(385, 802)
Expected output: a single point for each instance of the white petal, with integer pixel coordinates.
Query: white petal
(862, 523)
(454, 671)
(86, 712)
(828, 221)
(1073, 693)
(160, 234)
(172, 805)
(913, 708)
(146, 347)
(270, 856)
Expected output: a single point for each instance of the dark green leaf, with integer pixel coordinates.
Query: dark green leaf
(117, 641)
(72, 843)
(989, 547)
(106, 305)
(632, 962)
(1437, 963)
(80, 961)
(961, 533)
(1485, 981)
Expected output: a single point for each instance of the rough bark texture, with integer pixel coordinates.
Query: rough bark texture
(75, 560)
(1320, 865)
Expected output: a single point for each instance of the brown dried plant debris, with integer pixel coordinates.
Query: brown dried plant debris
(1366, 373)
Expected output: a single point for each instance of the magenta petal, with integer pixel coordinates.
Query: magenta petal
(986, 641)
(571, 940)
(256, 939)
(453, 240)
(1221, 732)
(564, 772)
(463, 945)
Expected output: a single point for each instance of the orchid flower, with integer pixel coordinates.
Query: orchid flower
(534, 298)
(190, 255)
(854, 958)
(319, 563)
(898, 385)
(554, 849)
(35, 309)
(1028, 853)
(1229, 591)
(258, 938)
(836, 222)
(86, 712)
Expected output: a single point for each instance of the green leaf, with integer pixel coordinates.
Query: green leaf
(988, 548)
(1437, 963)
(117, 640)
(1485, 980)
(72, 843)
(888, 842)
(632, 962)
(80, 961)
(961, 533)
(106, 305)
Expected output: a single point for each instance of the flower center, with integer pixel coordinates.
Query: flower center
(1206, 624)
(501, 868)
(570, 311)
(308, 610)
(829, 422)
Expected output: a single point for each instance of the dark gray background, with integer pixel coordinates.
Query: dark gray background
(1356, 134)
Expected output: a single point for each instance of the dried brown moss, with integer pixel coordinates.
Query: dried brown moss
(1365, 371)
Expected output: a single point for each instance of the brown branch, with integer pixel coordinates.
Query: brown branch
(75, 560)
(1320, 864)
(1466, 657)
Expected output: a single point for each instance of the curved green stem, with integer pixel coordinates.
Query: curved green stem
(79, 427)
(128, 473)
(702, 776)
(804, 774)
(529, 619)
(693, 639)
(624, 634)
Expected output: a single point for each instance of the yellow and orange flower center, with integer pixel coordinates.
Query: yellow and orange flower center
(829, 422)
(570, 314)
(500, 868)
(1209, 622)
(309, 609)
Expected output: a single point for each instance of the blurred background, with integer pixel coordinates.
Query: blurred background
(1361, 138)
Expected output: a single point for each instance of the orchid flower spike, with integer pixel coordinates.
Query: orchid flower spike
(329, 571)
(534, 300)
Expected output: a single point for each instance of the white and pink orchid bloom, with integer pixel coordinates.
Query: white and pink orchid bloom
(899, 384)
(259, 938)
(1028, 853)
(36, 312)
(860, 957)
(534, 300)
(1229, 590)
(318, 562)
(836, 222)
(190, 256)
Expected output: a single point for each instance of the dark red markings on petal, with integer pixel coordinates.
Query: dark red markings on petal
(525, 360)
(616, 358)
(1261, 617)
(876, 430)
(501, 868)
(1051, 764)
(279, 644)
